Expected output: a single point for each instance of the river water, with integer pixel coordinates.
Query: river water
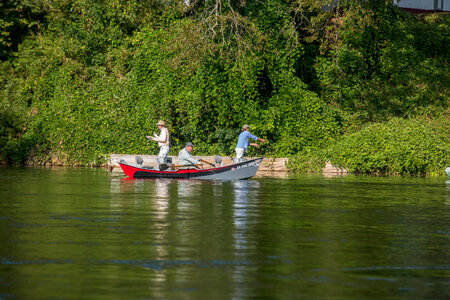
(81, 233)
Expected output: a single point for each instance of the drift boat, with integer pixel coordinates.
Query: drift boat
(241, 170)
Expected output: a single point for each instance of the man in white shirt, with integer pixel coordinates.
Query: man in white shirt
(163, 141)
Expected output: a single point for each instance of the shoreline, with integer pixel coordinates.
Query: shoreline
(273, 166)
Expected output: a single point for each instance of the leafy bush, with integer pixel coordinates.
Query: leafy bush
(399, 146)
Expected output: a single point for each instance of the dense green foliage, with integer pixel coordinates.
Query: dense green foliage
(386, 64)
(399, 146)
(85, 78)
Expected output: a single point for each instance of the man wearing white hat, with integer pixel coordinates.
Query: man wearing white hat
(243, 142)
(163, 141)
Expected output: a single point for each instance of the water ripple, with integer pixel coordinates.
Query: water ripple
(6, 261)
(162, 264)
(396, 268)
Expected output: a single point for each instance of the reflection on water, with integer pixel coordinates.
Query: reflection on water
(244, 206)
(162, 189)
(74, 232)
(160, 200)
(186, 188)
(126, 185)
(448, 191)
(245, 202)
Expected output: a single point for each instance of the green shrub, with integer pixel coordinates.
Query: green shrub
(399, 146)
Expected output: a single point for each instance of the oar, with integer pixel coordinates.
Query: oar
(163, 167)
(206, 162)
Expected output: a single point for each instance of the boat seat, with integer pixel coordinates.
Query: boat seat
(146, 167)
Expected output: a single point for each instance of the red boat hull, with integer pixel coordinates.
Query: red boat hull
(242, 170)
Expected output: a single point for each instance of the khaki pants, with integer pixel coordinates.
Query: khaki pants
(163, 151)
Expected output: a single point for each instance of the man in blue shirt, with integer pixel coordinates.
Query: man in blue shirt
(243, 142)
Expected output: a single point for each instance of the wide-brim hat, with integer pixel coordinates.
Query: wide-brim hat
(245, 126)
(161, 122)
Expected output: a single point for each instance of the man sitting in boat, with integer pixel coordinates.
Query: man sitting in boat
(185, 157)
(243, 142)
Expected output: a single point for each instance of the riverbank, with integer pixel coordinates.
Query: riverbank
(271, 166)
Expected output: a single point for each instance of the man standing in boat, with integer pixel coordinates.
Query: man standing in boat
(163, 141)
(185, 157)
(243, 142)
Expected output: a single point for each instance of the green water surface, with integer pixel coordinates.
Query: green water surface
(80, 233)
